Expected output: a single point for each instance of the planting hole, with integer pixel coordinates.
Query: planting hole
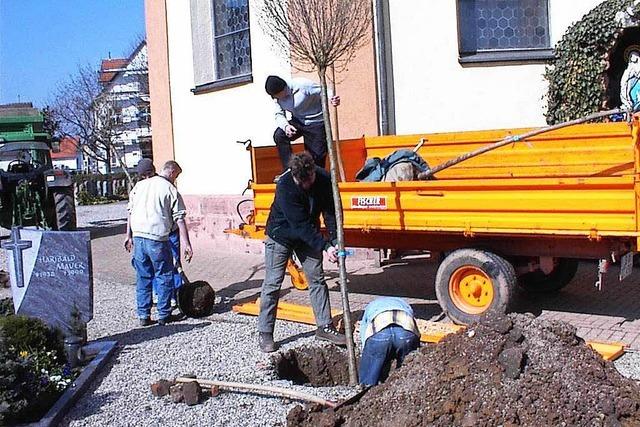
(317, 366)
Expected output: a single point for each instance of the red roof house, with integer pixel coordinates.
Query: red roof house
(106, 65)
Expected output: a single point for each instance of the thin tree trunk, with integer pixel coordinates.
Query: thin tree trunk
(353, 372)
(108, 173)
(123, 166)
(107, 164)
(335, 116)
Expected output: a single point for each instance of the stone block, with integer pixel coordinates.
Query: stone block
(176, 393)
(161, 388)
(191, 393)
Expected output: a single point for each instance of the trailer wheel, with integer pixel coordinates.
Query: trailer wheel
(471, 283)
(539, 282)
(65, 209)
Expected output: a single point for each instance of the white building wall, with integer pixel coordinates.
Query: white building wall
(207, 126)
(435, 93)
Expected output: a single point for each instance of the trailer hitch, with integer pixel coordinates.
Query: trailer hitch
(603, 268)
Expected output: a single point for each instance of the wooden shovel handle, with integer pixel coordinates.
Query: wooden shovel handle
(261, 388)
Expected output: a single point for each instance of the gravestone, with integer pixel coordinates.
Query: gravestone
(52, 277)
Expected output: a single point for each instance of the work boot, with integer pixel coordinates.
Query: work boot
(178, 316)
(171, 318)
(266, 342)
(146, 322)
(329, 333)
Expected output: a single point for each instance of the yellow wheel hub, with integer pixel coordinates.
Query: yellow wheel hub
(471, 290)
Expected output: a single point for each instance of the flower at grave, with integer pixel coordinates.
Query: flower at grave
(32, 354)
(63, 383)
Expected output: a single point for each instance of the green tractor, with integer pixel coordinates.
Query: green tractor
(32, 192)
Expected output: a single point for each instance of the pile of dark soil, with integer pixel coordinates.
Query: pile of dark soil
(313, 365)
(515, 370)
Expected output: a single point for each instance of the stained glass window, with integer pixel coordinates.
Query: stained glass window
(494, 25)
(232, 47)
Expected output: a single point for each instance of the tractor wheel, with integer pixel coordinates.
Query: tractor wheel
(471, 283)
(539, 282)
(65, 209)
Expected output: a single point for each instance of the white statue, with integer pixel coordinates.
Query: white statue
(630, 82)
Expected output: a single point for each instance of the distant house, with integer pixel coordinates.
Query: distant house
(69, 157)
(125, 82)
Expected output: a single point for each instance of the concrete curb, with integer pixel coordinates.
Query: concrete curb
(79, 386)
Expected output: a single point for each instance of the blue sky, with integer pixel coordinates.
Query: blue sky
(42, 42)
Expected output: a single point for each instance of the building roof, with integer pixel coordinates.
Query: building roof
(68, 149)
(118, 65)
(111, 64)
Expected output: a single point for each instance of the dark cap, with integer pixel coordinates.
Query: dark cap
(145, 167)
(274, 84)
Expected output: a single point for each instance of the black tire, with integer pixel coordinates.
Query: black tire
(196, 299)
(538, 282)
(450, 290)
(65, 209)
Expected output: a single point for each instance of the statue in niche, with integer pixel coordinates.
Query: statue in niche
(630, 81)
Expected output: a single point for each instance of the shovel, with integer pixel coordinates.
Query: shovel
(195, 299)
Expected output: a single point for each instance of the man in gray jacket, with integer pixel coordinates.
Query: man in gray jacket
(302, 98)
(154, 207)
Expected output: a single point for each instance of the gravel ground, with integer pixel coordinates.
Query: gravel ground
(102, 215)
(222, 346)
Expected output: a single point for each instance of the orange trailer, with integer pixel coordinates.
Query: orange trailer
(521, 215)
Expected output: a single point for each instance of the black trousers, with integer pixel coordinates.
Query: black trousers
(315, 142)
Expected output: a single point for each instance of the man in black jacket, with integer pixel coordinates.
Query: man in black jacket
(303, 192)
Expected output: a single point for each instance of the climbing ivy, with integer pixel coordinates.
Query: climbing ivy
(576, 77)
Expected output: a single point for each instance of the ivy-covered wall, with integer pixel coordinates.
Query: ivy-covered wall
(578, 77)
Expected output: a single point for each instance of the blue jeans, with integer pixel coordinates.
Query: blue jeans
(152, 261)
(380, 349)
(174, 241)
(275, 262)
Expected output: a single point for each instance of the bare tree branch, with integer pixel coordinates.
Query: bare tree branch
(317, 35)
(91, 114)
(84, 115)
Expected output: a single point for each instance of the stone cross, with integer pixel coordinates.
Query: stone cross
(17, 246)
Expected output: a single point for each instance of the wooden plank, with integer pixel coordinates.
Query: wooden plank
(608, 350)
(430, 332)
(433, 332)
(285, 311)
